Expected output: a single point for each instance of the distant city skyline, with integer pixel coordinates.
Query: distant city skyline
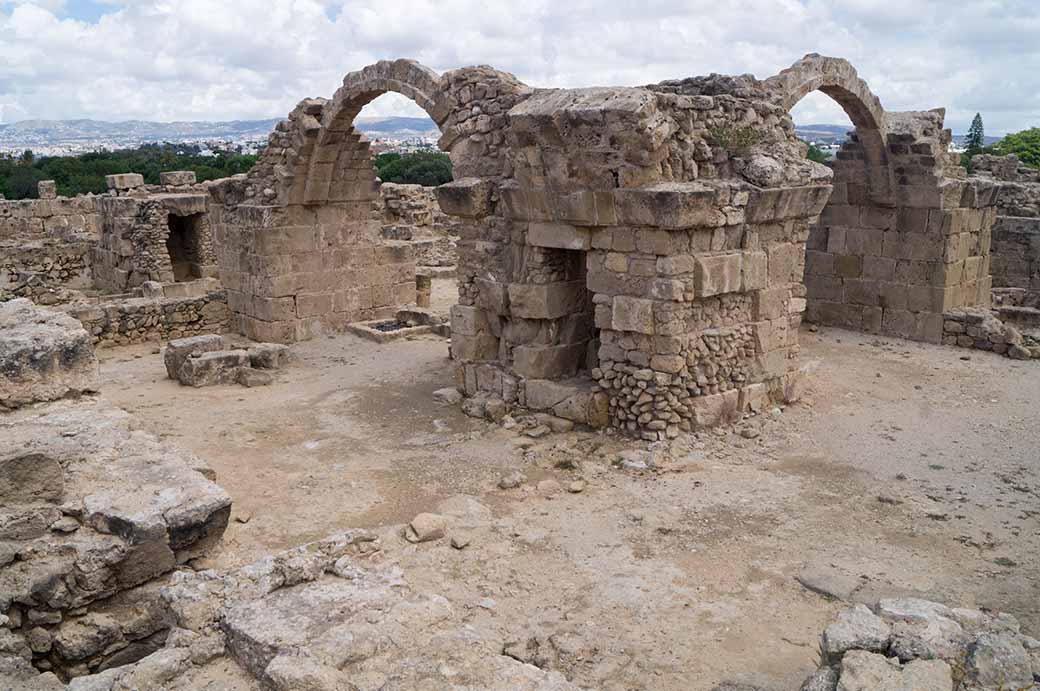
(199, 60)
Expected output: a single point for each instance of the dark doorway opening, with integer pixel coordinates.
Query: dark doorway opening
(182, 244)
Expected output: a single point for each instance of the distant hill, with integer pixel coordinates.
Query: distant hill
(45, 134)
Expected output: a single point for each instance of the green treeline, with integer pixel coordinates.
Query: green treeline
(86, 172)
(429, 169)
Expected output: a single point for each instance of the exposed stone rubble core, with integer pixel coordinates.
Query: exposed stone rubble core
(207, 360)
(44, 355)
(153, 312)
(910, 644)
(45, 246)
(91, 510)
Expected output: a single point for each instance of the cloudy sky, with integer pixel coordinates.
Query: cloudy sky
(245, 59)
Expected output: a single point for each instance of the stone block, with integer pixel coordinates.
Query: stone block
(548, 362)
(177, 178)
(213, 367)
(546, 300)
(468, 320)
(482, 346)
(47, 189)
(754, 271)
(124, 181)
(466, 197)
(268, 355)
(715, 409)
(671, 205)
(632, 314)
(559, 235)
(179, 350)
(770, 303)
(717, 274)
(44, 355)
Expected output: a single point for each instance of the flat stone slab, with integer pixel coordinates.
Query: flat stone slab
(44, 355)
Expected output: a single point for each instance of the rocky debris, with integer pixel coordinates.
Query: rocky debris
(268, 355)
(909, 644)
(447, 396)
(321, 617)
(206, 361)
(92, 509)
(426, 527)
(512, 480)
(864, 671)
(44, 355)
(179, 350)
(857, 627)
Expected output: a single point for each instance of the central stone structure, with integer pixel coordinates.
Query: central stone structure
(632, 257)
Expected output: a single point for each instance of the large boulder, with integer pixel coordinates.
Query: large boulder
(44, 355)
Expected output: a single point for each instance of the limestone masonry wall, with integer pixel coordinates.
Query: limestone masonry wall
(1016, 233)
(45, 244)
(411, 213)
(892, 258)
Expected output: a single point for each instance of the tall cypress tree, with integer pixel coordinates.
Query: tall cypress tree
(976, 136)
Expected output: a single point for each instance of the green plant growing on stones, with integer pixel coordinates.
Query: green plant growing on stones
(737, 141)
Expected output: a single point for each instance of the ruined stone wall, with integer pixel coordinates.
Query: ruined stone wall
(152, 319)
(299, 244)
(45, 245)
(1016, 232)
(411, 213)
(635, 243)
(135, 223)
(892, 261)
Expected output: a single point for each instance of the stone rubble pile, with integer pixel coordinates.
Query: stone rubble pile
(908, 644)
(207, 360)
(982, 330)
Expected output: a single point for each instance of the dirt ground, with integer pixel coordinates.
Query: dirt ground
(907, 469)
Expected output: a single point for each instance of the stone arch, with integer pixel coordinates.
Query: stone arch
(333, 165)
(837, 78)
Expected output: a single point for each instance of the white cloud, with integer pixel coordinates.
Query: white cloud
(198, 59)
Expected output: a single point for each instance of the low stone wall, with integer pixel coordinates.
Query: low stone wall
(142, 320)
(32, 269)
(45, 245)
(982, 330)
(35, 219)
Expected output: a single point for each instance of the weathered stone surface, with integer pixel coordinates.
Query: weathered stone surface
(142, 506)
(999, 661)
(124, 181)
(214, 367)
(179, 350)
(864, 671)
(857, 627)
(44, 355)
(268, 355)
